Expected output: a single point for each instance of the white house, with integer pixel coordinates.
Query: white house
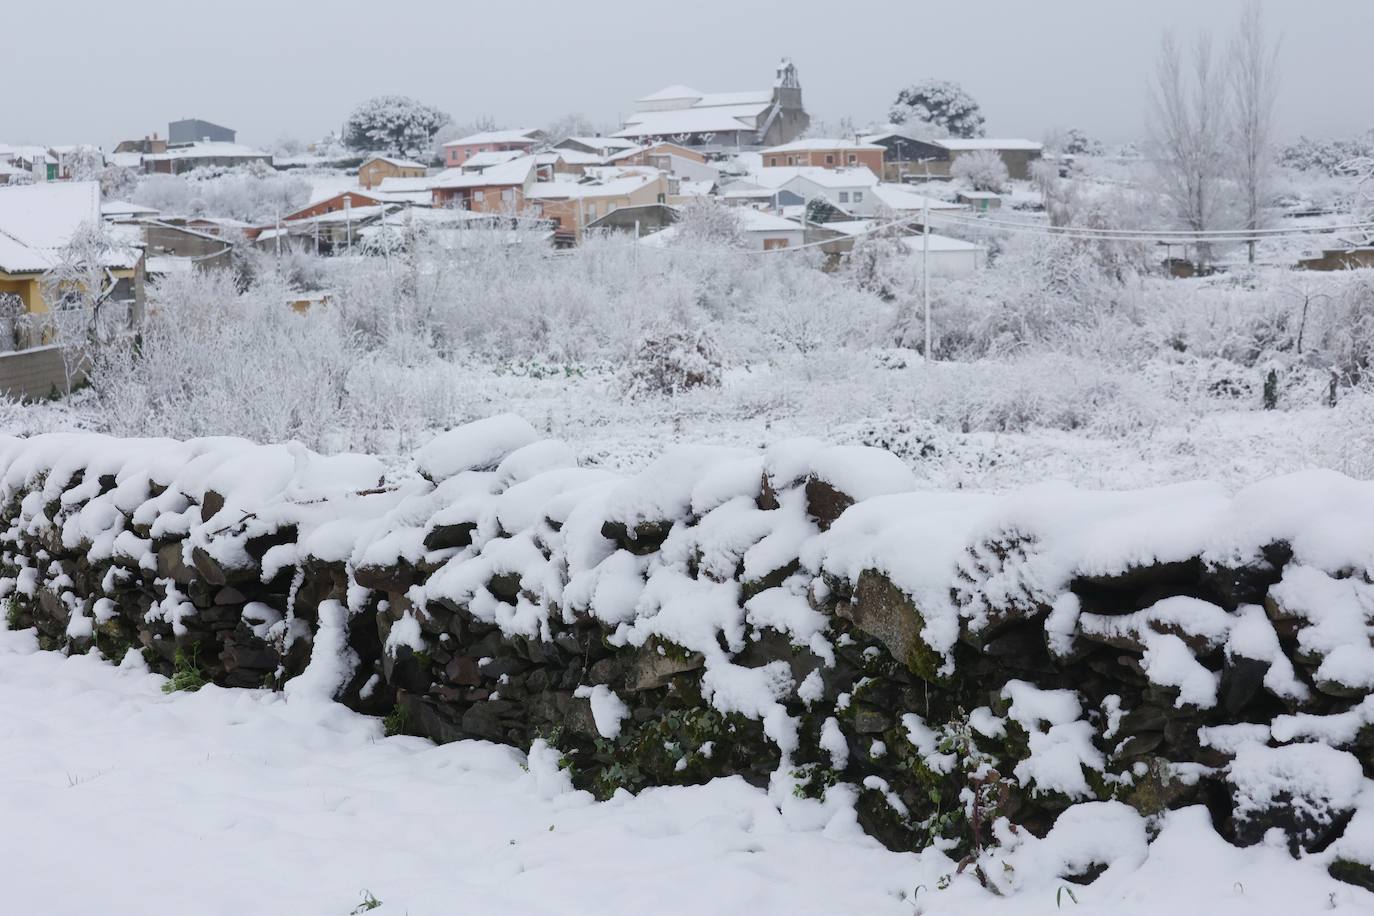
(948, 257)
(850, 190)
(764, 231)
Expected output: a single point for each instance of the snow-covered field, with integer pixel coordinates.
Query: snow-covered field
(118, 799)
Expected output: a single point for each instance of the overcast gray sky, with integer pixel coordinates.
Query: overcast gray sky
(96, 71)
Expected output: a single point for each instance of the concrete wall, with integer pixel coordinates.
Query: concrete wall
(34, 374)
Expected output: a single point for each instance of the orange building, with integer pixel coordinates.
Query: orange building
(826, 154)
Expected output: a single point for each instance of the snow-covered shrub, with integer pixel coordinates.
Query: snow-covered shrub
(1038, 391)
(983, 169)
(672, 360)
(1040, 290)
(210, 361)
(1326, 155)
(705, 222)
(235, 193)
(1074, 141)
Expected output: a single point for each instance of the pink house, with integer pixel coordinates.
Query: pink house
(459, 151)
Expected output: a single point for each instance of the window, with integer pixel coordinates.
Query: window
(791, 160)
(479, 196)
(508, 195)
(591, 211)
(853, 158)
(844, 197)
(829, 158)
(858, 197)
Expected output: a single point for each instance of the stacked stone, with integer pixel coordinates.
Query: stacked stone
(495, 590)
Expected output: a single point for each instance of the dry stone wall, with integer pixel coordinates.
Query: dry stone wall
(958, 669)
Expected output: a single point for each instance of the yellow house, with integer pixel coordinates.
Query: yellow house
(575, 204)
(36, 223)
(373, 171)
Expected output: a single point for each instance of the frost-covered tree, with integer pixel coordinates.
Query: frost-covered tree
(1074, 141)
(396, 124)
(85, 163)
(705, 222)
(77, 288)
(1187, 130)
(1253, 81)
(236, 193)
(983, 169)
(117, 182)
(570, 125)
(940, 104)
(1361, 169)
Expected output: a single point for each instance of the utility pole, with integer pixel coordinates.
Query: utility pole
(925, 258)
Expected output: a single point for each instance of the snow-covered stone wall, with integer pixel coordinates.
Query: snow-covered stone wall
(956, 668)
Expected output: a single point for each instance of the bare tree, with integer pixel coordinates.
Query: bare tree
(1187, 126)
(76, 289)
(1253, 79)
(1361, 169)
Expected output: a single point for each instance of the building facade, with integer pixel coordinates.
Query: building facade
(194, 130)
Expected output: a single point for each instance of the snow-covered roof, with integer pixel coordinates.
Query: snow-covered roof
(167, 264)
(851, 226)
(490, 158)
(570, 156)
(323, 187)
(696, 188)
(672, 93)
(432, 216)
(399, 163)
(351, 215)
(748, 192)
(515, 172)
(693, 120)
(962, 144)
(748, 97)
(757, 221)
(224, 222)
(897, 197)
(421, 197)
(38, 220)
(125, 160)
(778, 176)
(598, 142)
(569, 190)
(518, 135)
(404, 185)
(887, 135)
(125, 208)
(211, 150)
(820, 143)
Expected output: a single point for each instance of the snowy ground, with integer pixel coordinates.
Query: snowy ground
(1179, 440)
(116, 798)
